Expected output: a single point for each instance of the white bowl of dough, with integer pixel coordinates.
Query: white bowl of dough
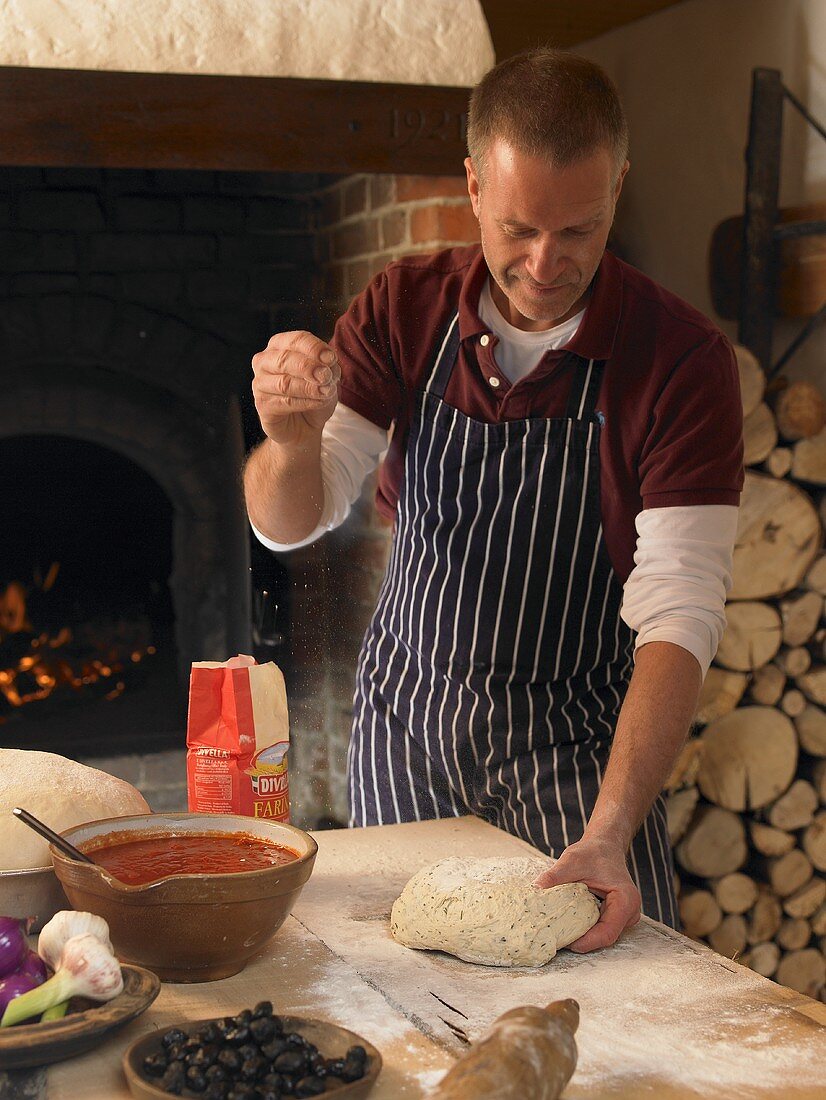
(61, 793)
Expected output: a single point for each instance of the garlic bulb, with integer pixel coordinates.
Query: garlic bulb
(62, 927)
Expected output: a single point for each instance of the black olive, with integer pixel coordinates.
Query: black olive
(215, 1091)
(204, 1056)
(195, 1079)
(216, 1073)
(175, 1035)
(242, 1092)
(296, 1040)
(279, 1024)
(173, 1080)
(353, 1069)
(253, 1068)
(309, 1086)
(291, 1061)
(262, 1028)
(268, 1094)
(243, 1017)
(317, 1064)
(210, 1034)
(357, 1053)
(237, 1036)
(230, 1059)
(155, 1065)
(263, 1008)
(272, 1081)
(335, 1066)
(248, 1050)
(175, 1052)
(273, 1048)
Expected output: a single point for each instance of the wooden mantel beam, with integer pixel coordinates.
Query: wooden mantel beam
(80, 118)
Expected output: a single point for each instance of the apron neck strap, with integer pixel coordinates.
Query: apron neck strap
(585, 387)
(445, 358)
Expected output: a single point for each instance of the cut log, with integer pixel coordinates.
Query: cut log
(779, 462)
(759, 435)
(814, 841)
(793, 703)
(679, 810)
(735, 893)
(769, 841)
(686, 766)
(788, 873)
(819, 780)
(721, 692)
(800, 411)
(729, 937)
(809, 460)
(752, 636)
(714, 844)
(767, 685)
(801, 617)
(796, 808)
(794, 934)
(752, 379)
(795, 661)
(778, 538)
(765, 918)
(803, 970)
(811, 730)
(815, 579)
(763, 958)
(806, 901)
(749, 759)
(813, 684)
(699, 913)
(819, 921)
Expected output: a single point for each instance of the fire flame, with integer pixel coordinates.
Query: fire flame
(35, 665)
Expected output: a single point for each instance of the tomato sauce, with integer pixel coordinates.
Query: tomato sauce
(155, 856)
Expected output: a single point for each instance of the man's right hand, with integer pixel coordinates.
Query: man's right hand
(295, 387)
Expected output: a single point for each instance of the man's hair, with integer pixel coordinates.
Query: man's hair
(547, 103)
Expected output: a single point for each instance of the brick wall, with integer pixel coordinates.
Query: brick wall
(363, 223)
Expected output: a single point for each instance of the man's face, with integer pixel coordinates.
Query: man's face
(543, 230)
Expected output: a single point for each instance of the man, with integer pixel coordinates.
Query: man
(563, 471)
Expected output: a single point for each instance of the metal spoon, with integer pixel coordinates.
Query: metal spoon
(53, 837)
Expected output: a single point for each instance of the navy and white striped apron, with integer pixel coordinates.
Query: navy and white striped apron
(494, 667)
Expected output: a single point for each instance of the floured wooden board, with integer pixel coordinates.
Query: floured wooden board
(661, 1017)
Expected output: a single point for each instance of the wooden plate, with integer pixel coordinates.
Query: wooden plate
(331, 1040)
(27, 1046)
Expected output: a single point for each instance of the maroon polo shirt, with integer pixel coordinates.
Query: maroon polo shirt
(670, 391)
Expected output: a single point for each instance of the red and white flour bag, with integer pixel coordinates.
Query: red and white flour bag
(237, 737)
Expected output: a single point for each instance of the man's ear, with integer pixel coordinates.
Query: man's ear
(472, 185)
(620, 178)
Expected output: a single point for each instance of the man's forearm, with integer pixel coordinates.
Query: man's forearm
(653, 724)
(284, 489)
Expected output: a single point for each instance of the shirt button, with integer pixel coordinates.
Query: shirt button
(484, 340)
(494, 381)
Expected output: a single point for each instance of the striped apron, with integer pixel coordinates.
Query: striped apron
(494, 667)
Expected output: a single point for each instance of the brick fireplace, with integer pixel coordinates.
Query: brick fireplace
(131, 301)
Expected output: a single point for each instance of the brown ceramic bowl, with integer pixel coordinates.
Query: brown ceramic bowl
(189, 928)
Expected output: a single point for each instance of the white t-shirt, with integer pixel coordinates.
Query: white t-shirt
(677, 589)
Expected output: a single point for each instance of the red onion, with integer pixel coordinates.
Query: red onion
(13, 946)
(33, 967)
(13, 986)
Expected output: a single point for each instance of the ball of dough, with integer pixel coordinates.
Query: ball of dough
(488, 911)
(60, 792)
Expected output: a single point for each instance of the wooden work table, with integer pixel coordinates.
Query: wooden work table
(661, 1016)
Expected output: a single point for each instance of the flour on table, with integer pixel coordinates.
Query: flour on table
(488, 911)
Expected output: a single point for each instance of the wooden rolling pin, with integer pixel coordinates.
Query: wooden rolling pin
(529, 1052)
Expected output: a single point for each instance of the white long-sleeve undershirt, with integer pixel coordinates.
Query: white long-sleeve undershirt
(675, 593)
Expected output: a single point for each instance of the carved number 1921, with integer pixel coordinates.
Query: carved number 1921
(413, 124)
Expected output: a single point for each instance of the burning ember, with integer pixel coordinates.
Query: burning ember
(93, 659)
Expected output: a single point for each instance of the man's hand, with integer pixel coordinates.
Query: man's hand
(604, 872)
(295, 387)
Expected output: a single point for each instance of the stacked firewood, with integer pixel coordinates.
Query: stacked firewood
(747, 797)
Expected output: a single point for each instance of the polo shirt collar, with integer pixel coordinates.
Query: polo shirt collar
(596, 335)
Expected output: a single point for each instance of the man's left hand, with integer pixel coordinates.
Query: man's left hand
(604, 871)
